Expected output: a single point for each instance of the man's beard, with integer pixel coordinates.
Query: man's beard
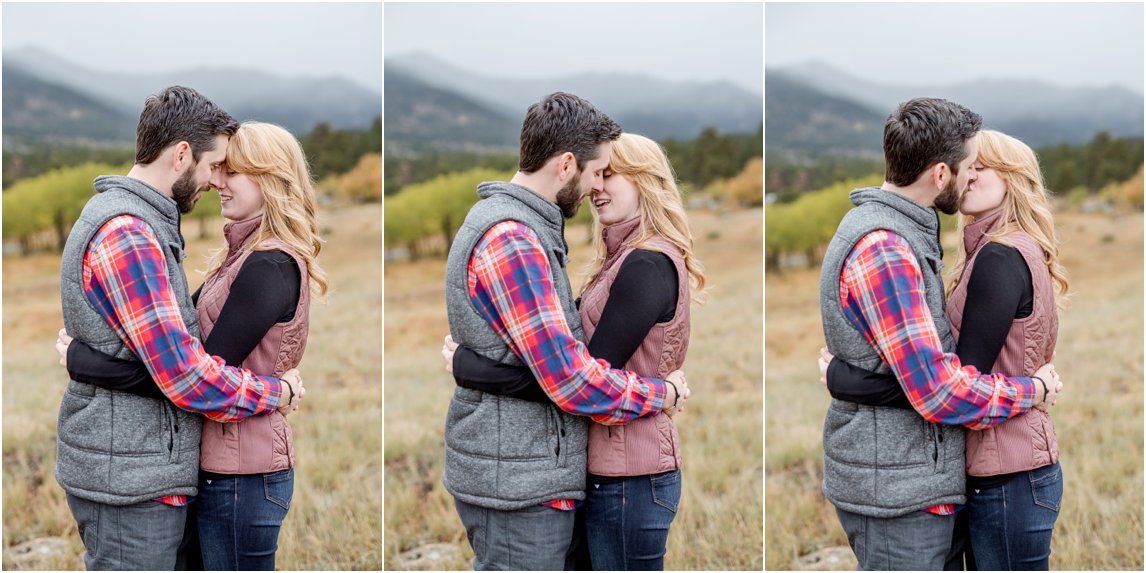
(184, 191)
(950, 199)
(569, 197)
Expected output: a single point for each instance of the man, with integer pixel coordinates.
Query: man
(515, 468)
(129, 463)
(896, 476)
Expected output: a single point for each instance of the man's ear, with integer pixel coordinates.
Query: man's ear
(181, 156)
(940, 173)
(566, 165)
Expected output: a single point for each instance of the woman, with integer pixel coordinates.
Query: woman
(634, 309)
(253, 311)
(1007, 287)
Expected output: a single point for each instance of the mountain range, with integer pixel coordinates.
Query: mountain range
(420, 116)
(297, 103)
(816, 108)
(37, 111)
(640, 104)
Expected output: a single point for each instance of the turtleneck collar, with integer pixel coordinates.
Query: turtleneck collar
(618, 234)
(974, 233)
(238, 232)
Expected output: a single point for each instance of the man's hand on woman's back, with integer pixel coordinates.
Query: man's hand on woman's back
(678, 393)
(1047, 396)
(293, 379)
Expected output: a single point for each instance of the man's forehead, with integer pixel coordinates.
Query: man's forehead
(601, 161)
(218, 154)
(972, 148)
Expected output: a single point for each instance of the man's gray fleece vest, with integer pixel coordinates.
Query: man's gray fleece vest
(115, 447)
(886, 462)
(501, 452)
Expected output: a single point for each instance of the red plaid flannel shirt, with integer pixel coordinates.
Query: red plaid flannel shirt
(125, 277)
(881, 292)
(510, 285)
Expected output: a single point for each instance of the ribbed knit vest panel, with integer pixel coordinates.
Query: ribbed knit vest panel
(650, 444)
(257, 444)
(1027, 441)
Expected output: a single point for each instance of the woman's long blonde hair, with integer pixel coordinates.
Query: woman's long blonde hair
(643, 161)
(1025, 207)
(274, 160)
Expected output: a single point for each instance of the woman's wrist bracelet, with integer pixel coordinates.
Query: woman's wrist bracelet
(1046, 390)
(675, 392)
(290, 388)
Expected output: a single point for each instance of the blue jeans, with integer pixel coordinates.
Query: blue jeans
(1011, 525)
(627, 522)
(534, 538)
(240, 517)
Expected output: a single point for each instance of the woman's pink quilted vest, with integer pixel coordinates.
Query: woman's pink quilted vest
(650, 444)
(1027, 441)
(259, 444)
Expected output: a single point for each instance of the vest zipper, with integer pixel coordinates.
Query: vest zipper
(557, 431)
(169, 417)
(936, 438)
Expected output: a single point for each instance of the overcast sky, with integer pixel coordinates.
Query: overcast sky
(934, 44)
(700, 42)
(287, 39)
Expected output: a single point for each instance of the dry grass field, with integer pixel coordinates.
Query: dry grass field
(1098, 419)
(335, 517)
(719, 525)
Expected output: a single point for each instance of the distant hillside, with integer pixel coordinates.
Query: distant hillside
(802, 121)
(420, 116)
(641, 104)
(41, 112)
(1036, 112)
(297, 103)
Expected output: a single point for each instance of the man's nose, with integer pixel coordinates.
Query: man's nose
(216, 180)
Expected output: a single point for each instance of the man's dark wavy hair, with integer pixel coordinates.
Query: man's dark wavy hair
(179, 114)
(563, 122)
(923, 132)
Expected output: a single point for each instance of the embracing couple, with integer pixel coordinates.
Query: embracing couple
(939, 452)
(540, 397)
(148, 479)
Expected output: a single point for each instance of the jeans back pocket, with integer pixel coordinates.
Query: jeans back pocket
(666, 489)
(1046, 486)
(279, 487)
